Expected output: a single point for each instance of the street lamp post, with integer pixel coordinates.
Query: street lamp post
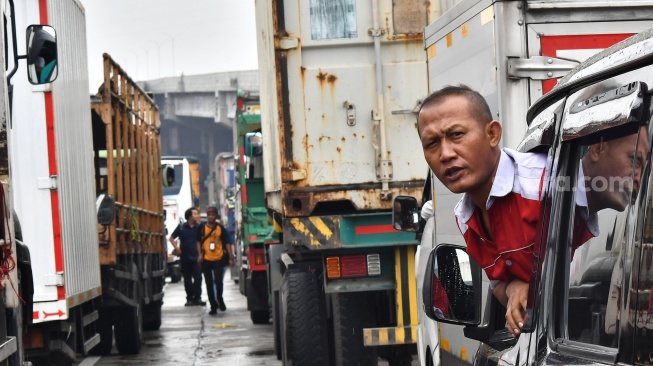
(172, 39)
(147, 62)
(158, 54)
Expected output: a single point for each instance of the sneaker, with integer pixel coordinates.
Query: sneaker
(189, 303)
(223, 307)
(213, 311)
(199, 303)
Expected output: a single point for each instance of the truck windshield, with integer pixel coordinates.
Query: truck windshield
(174, 185)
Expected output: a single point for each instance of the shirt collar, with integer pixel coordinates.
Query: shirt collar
(502, 184)
(591, 220)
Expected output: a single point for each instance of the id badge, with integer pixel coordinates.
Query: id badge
(212, 246)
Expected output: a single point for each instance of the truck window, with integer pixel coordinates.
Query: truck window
(174, 188)
(612, 168)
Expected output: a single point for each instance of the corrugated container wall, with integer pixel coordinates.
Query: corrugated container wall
(324, 126)
(74, 144)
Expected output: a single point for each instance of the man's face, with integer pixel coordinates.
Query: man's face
(457, 147)
(211, 217)
(618, 161)
(195, 216)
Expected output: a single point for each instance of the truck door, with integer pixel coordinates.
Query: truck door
(573, 42)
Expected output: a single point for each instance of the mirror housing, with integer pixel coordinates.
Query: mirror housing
(41, 54)
(105, 206)
(253, 144)
(452, 290)
(168, 174)
(405, 213)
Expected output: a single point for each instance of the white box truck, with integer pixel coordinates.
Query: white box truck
(512, 52)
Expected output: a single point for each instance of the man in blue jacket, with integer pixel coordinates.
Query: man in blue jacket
(189, 251)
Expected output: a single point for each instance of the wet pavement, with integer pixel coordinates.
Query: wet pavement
(190, 336)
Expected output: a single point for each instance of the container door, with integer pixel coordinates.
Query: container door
(330, 137)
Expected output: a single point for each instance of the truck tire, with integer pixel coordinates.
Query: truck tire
(104, 326)
(260, 316)
(128, 327)
(304, 323)
(129, 330)
(351, 314)
(152, 314)
(276, 323)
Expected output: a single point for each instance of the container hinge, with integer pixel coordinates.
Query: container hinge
(47, 182)
(53, 279)
(384, 170)
(539, 67)
(293, 175)
(287, 43)
(376, 32)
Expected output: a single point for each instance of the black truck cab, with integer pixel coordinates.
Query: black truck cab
(591, 290)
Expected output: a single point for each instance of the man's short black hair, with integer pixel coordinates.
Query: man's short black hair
(189, 213)
(478, 105)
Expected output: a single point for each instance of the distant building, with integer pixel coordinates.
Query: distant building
(197, 116)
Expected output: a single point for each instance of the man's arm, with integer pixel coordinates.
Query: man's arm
(514, 296)
(199, 252)
(173, 240)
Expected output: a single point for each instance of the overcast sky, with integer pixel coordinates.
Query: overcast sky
(209, 36)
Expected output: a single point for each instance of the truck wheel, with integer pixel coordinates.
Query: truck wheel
(104, 326)
(152, 313)
(260, 316)
(351, 314)
(276, 323)
(304, 326)
(129, 330)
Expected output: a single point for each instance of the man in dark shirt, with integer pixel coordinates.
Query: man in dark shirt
(189, 251)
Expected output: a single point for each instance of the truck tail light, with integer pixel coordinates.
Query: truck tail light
(257, 259)
(333, 267)
(353, 266)
(373, 265)
(252, 237)
(33, 339)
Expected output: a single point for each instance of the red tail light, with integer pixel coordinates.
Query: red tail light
(241, 104)
(256, 259)
(353, 266)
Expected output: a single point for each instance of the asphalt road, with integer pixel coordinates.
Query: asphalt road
(190, 336)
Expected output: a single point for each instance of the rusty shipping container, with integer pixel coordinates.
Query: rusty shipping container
(340, 85)
(127, 154)
(337, 124)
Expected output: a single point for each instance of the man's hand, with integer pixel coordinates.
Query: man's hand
(517, 294)
(231, 261)
(177, 251)
(199, 259)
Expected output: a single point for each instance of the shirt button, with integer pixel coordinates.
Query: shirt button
(509, 262)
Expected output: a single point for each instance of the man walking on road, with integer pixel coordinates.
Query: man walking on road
(217, 252)
(189, 251)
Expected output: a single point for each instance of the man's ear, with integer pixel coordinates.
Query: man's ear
(595, 151)
(493, 130)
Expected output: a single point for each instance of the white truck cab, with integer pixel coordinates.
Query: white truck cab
(590, 296)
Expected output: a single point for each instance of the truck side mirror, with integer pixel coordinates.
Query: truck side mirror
(105, 206)
(41, 54)
(253, 144)
(452, 289)
(168, 174)
(405, 213)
